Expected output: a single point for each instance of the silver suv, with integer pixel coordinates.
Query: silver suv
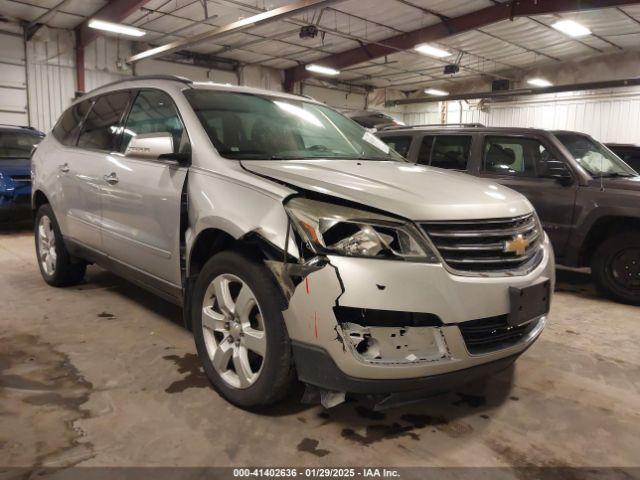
(299, 245)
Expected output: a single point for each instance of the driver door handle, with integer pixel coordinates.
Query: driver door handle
(111, 179)
(64, 168)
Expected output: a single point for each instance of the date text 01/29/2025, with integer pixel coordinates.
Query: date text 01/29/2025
(316, 472)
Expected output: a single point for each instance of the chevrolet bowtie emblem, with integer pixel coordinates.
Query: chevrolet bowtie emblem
(518, 245)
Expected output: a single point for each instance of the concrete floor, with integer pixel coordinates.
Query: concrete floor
(104, 375)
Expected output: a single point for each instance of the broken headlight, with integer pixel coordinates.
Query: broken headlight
(330, 228)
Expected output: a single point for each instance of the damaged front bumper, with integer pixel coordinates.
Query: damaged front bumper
(376, 326)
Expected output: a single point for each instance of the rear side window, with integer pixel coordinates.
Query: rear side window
(153, 111)
(67, 128)
(399, 144)
(514, 156)
(451, 151)
(445, 151)
(100, 129)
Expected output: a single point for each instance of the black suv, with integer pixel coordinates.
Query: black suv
(587, 198)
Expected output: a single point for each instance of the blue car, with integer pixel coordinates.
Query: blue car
(16, 146)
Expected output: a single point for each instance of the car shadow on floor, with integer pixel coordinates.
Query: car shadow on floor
(459, 413)
(11, 227)
(97, 278)
(576, 282)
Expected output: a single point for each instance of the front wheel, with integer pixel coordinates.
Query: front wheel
(57, 266)
(239, 331)
(616, 267)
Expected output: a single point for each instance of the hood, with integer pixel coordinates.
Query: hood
(631, 183)
(20, 166)
(411, 191)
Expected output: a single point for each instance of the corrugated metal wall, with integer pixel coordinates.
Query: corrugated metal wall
(51, 73)
(608, 115)
(13, 81)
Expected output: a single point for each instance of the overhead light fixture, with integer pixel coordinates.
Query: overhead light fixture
(539, 82)
(116, 28)
(312, 67)
(436, 92)
(571, 28)
(432, 51)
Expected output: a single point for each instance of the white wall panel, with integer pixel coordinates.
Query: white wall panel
(51, 75)
(342, 100)
(608, 115)
(13, 82)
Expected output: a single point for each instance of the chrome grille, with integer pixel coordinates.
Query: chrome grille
(481, 245)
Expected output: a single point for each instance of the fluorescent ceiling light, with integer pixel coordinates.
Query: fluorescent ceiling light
(432, 51)
(116, 28)
(312, 67)
(436, 92)
(571, 28)
(539, 82)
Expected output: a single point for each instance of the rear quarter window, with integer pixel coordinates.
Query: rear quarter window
(68, 126)
(100, 129)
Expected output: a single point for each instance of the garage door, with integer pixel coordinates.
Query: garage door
(13, 81)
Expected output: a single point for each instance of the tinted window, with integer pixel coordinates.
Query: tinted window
(515, 156)
(17, 144)
(451, 151)
(399, 144)
(100, 128)
(631, 156)
(424, 156)
(67, 128)
(153, 111)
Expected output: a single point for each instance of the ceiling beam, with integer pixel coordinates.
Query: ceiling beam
(452, 26)
(234, 27)
(114, 11)
(574, 87)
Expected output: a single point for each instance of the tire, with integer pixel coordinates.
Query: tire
(616, 267)
(224, 332)
(57, 266)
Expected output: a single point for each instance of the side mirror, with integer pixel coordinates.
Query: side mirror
(559, 172)
(150, 145)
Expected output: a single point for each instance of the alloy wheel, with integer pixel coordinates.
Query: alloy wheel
(233, 329)
(47, 245)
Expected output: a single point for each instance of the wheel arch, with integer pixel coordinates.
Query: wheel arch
(603, 228)
(38, 199)
(211, 241)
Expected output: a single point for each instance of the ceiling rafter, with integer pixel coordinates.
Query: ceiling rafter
(463, 23)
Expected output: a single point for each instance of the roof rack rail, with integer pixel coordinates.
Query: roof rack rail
(174, 78)
(441, 125)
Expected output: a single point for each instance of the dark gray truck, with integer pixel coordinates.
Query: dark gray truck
(587, 198)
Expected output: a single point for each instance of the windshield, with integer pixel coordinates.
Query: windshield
(594, 157)
(246, 126)
(15, 145)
